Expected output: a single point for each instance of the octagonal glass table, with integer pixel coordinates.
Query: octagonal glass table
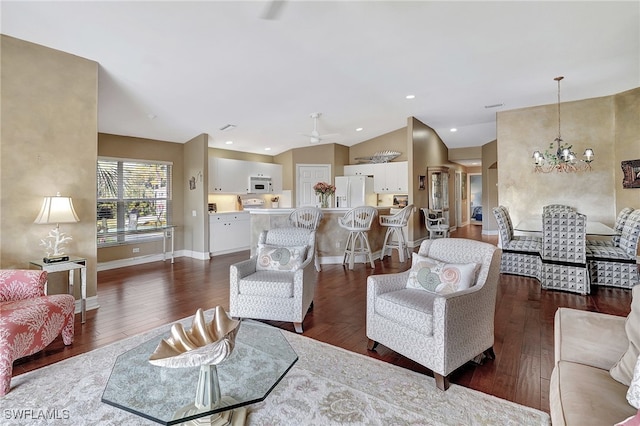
(261, 358)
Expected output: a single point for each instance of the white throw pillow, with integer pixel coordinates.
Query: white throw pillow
(622, 371)
(440, 277)
(274, 258)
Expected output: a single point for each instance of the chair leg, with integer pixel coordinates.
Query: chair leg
(298, 327)
(442, 382)
(489, 353)
(371, 345)
(384, 244)
(366, 241)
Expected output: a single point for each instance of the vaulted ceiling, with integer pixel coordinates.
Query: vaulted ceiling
(173, 70)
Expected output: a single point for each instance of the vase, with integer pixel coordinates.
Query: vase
(324, 200)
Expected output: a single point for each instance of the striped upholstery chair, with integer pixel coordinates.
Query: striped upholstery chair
(564, 259)
(549, 207)
(520, 254)
(615, 265)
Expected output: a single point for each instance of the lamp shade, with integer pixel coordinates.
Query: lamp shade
(57, 210)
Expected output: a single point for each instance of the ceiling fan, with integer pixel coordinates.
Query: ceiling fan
(315, 136)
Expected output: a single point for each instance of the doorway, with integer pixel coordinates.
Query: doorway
(308, 175)
(475, 201)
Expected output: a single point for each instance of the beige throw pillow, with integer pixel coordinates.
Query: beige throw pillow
(440, 277)
(622, 371)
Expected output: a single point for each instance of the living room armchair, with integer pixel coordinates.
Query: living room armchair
(441, 331)
(279, 282)
(29, 319)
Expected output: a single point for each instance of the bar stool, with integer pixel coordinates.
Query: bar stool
(395, 224)
(358, 222)
(308, 218)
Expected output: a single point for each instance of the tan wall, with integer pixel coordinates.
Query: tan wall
(288, 170)
(489, 186)
(146, 149)
(627, 144)
(392, 141)
(48, 144)
(589, 123)
(470, 153)
(196, 218)
(239, 155)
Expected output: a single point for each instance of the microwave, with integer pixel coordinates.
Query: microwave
(259, 185)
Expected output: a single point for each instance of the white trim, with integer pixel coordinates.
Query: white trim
(132, 261)
(134, 160)
(92, 303)
(490, 232)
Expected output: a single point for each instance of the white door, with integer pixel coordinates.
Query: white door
(309, 175)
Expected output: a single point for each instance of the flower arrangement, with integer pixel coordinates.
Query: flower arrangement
(324, 190)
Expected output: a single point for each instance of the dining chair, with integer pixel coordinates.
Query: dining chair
(564, 259)
(615, 240)
(436, 225)
(520, 254)
(615, 265)
(550, 207)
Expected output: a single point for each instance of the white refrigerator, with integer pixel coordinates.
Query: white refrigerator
(355, 191)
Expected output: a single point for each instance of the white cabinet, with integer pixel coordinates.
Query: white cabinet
(228, 176)
(229, 232)
(359, 170)
(391, 177)
(272, 170)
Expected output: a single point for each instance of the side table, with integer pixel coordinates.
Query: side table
(70, 265)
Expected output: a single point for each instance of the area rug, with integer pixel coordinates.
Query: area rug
(327, 386)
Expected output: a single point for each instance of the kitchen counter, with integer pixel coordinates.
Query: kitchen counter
(330, 237)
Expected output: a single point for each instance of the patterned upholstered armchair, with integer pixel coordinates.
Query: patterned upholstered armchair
(564, 260)
(279, 282)
(520, 254)
(439, 331)
(29, 320)
(614, 264)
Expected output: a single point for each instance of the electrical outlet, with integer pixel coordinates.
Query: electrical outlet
(337, 244)
(193, 213)
(136, 250)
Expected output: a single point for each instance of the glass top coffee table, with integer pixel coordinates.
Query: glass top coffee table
(261, 358)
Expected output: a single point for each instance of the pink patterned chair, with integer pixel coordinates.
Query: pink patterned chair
(29, 320)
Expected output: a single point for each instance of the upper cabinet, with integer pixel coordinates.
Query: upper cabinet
(387, 177)
(391, 177)
(227, 176)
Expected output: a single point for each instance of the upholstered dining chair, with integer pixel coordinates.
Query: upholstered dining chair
(279, 282)
(563, 207)
(29, 319)
(308, 218)
(520, 253)
(395, 224)
(615, 240)
(615, 265)
(564, 257)
(438, 329)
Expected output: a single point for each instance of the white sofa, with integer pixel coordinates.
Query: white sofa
(587, 346)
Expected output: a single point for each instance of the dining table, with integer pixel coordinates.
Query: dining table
(594, 228)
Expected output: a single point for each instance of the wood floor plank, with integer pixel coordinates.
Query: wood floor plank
(139, 298)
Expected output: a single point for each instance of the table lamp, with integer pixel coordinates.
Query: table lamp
(56, 210)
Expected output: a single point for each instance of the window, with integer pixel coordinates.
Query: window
(134, 200)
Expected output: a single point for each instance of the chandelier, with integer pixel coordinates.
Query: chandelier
(559, 157)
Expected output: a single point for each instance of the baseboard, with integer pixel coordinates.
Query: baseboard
(92, 303)
(484, 232)
(132, 261)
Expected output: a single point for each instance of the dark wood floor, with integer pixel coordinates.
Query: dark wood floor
(139, 298)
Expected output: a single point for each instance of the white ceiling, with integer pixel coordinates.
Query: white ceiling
(173, 70)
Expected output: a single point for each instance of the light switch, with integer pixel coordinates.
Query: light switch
(193, 213)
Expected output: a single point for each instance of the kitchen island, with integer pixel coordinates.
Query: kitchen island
(330, 237)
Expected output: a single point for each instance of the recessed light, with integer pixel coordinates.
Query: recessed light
(267, 149)
(410, 96)
(359, 129)
(228, 143)
(453, 129)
